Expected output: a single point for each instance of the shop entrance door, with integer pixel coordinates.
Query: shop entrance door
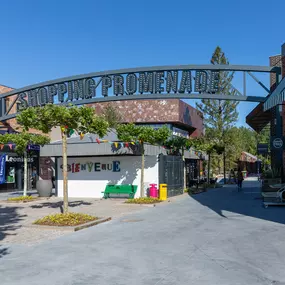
(191, 172)
(31, 180)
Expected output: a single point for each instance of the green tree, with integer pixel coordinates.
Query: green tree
(112, 115)
(220, 115)
(209, 147)
(142, 134)
(178, 145)
(69, 119)
(22, 141)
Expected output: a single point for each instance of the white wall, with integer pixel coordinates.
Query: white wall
(87, 183)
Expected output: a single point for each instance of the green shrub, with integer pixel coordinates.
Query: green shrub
(268, 173)
(213, 185)
(68, 219)
(21, 198)
(143, 200)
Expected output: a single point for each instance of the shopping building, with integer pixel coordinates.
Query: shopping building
(272, 114)
(94, 162)
(181, 118)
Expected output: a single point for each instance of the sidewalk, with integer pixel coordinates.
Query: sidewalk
(220, 237)
(15, 218)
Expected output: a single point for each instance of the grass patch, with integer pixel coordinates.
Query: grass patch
(143, 200)
(22, 199)
(69, 219)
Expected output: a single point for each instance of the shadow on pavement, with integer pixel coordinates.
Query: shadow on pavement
(9, 219)
(248, 202)
(59, 205)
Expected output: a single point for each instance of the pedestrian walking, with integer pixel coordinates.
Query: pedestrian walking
(240, 179)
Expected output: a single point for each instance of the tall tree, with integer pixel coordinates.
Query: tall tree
(220, 115)
(143, 135)
(210, 147)
(69, 119)
(112, 115)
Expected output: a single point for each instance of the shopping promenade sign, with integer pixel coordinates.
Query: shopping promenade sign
(183, 82)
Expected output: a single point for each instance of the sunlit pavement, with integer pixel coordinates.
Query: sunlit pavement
(218, 237)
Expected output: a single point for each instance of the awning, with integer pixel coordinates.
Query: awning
(258, 118)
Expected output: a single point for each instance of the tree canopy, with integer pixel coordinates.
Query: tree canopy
(22, 140)
(143, 134)
(69, 118)
(81, 119)
(112, 116)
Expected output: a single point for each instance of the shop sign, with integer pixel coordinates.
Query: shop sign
(34, 147)
(180, 133)
(18, 159)
(93, 166)
(262, 148)
(277, 143)
(124, 84)
(2, 168)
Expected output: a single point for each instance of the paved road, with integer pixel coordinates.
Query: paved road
(219, 237)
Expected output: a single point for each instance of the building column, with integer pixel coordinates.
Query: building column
(277, 132)
(282, 113)
(19, 177)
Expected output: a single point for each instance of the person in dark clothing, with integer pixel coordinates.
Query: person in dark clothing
(239, 179)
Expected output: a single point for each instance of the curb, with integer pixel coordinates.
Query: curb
(20, 202)
(36, 199)
(70, 228)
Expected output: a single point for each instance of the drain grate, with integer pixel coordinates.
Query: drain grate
(132, 221)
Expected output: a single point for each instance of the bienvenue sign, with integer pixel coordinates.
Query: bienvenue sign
(114, 166)
(150, 82)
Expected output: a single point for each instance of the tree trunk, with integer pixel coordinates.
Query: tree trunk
(209, 162)
(142, 170)
(184, 168)
(64, 172)
(25, 174)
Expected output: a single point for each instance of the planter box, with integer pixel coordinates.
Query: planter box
(71, 228)
(44, 188)
(271, 181)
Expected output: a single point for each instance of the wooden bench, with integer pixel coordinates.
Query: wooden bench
(120, 189)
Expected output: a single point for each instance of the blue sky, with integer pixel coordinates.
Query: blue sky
(43, 40)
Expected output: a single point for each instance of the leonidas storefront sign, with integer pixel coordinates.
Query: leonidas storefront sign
(18, 159)
(93, 166)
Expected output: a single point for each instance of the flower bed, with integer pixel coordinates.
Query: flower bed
(143, 200)
(22, 199)
(69, 219)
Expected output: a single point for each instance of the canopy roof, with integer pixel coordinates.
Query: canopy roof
(257, 118)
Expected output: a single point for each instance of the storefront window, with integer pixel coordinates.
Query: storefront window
(14, 172)
(10, 175)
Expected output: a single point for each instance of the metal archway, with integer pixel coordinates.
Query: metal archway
(159, 82)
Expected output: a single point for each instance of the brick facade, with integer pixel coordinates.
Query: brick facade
(12, 124)
(158, 111)
(277, 114)
(274, 61)
(46, 166)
